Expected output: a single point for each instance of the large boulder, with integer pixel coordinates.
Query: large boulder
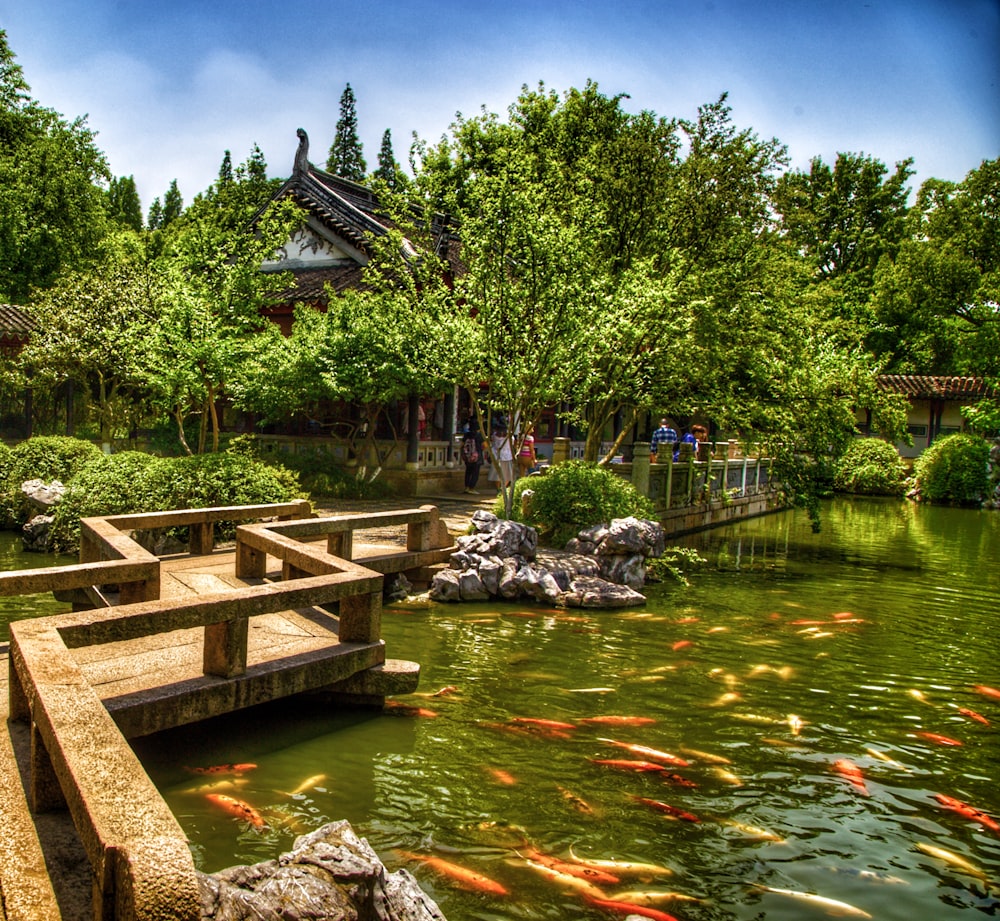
(330, 873)
(42, 496)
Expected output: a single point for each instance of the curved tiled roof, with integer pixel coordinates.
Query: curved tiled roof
(15, 321)
(934, 387)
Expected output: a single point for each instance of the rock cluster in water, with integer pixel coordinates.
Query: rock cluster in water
(329, 873)
(603, 567)
(41, 498)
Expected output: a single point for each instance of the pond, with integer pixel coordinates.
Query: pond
(826, 698)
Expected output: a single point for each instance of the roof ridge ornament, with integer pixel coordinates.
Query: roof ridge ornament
(301, 164)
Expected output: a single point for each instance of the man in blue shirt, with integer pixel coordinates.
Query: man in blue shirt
(663, 435)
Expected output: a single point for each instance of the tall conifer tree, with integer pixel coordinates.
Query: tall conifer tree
(346, 158)
(388, 168)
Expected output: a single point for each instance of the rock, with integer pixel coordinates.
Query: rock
(589, 592)
(35, 534)
(489, 573)
(444, 586)
(330, 873)
(632, 535)
(396, 587)
(43, 496)
(471, 586)
(624, 569)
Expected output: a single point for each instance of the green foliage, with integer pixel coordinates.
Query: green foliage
(5, 452)
(576, 495)
(320, 477)
(871, 467)
(135, 482)
(953, 469)
(674, 564)
(346, 158)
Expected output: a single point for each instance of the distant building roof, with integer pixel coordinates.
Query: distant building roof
(931, 387)
(15, 321)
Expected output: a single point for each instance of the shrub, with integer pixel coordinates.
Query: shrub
(4, 461)
(575, 495)
(871, 467)
(47, 458)
(953, 469)
(134, 482)
(320, 476)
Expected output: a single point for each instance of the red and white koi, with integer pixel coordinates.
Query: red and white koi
(501, 776)
(672, 812)
(852, 773)
(938, 738)
(629, 908)
(972, 715)
(590, 874)
(614, 720)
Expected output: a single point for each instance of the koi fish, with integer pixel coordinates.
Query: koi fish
(681, 644)
(218, 785)
(653, 897)
(445, 691)
(759, 718)
(308, 784)
(466, 878)
(237, 807)
(918, 695)
(852, 773)
(954, 859)
(578, 804)
(628, 764)
(986, 691)
(653, 753)
(724, 700)
(629, 908)
(832, 906)
(502, 776)
(677, 780)
(969, 812)
(873, 876)
(754, 831)
(842, 615)
(972, 715)
(882, 756)
(542, 723)
(222, 769)
(705, 756)
(727, 776)
(622, 867)
(612, 720)
(564, 880)
(667, 809)
(398, 708)
(590, 690)
(940, 739)
(591, 874)
(717, 630)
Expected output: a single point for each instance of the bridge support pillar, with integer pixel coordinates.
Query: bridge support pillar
(361, 618)
(225, 652)
(201, 539)
(45, 794)
(341, 545)
(250, 563)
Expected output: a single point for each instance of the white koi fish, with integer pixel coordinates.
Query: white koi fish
(833, 906)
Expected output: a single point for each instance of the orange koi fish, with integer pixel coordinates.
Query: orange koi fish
(653, 753)
(969, 812)
(445, 691)
(986, 691)
(940, 739)
(972, 715)
(236, 769)
(578, 804)
(237, 807)
(466, 878)
(628, 764)
(502, 776)
(842, 615)
(851, 772)
(677, 780)
(564, 880)
(398, 708)
(681, 644)
(630, 908)
(611, 720)
(591, 874)
(541, 723)
(667, 809)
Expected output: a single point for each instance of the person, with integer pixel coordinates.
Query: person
(503, 457)
(694, 437)
(665, 434)
(472, 455)
(526, 458)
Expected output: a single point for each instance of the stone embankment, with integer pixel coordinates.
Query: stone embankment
(603, 567)
(330, 873)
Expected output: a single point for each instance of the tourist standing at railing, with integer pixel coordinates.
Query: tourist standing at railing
(665, 434)
(502, 457)
(696, 437)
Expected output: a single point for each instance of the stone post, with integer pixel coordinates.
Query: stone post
(640, 468)
(560, 450)
(413, 433)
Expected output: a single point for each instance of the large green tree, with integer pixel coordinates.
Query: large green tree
(346, 158)
(53, 209)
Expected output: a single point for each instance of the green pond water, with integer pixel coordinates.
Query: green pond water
(905, 605)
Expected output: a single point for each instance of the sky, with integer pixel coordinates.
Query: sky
(169, 86)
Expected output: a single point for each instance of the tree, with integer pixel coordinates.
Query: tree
(346, 158)
(173, 205)
(225, 170)
(155, 219)
(388, 169)
(53, 209)
(124, 207)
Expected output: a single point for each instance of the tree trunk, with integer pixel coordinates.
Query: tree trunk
(179, 416)
(214, 411)
(626, 428)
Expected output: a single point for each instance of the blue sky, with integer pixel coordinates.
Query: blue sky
(169, 86)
